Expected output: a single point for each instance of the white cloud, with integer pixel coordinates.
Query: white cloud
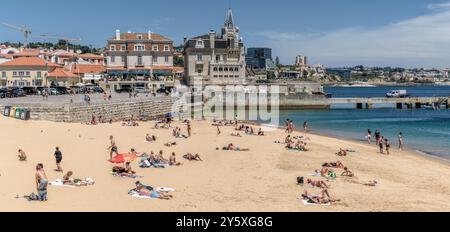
(420, 41)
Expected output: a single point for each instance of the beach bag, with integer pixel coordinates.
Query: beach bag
(33, 197)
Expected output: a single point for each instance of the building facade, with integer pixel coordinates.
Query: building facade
(26, 72)
(216, 59)
(259, 58)
(139, 54)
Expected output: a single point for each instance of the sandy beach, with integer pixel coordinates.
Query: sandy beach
(261, 180)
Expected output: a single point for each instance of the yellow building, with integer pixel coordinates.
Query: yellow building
(26, 72)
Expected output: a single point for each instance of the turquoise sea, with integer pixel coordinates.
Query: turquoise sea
(424, 130)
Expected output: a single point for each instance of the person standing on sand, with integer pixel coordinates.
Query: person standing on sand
(189, 128)
(400, 141)
(380, 143)
(305, 126)
(369, 136)
(58, 158)
(112, 147)
(41, 182)
(387, 145)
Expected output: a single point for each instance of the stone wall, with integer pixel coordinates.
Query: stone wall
(118, 110)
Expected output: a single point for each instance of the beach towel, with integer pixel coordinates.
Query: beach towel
(125, 176)
(163, 189)
(60, 183)
(306, 202)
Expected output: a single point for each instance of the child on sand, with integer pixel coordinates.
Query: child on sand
(22, 156)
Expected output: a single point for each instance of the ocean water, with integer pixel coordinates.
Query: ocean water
(424, 130)
(427, 131)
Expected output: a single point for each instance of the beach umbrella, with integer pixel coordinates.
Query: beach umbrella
(123, 158)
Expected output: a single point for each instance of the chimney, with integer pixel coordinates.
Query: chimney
(212, 39)
(149, 35)
(117, 34)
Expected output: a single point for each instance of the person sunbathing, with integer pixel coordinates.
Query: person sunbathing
(128, 169)
(288, 140)
(347, 172)
(191, 157)
(169, 144)
(159, 159)
(121, 171)
(342, 152)
(317, 183)
(67, 179)
(153, 193)
(371, 183)
(149, 138)
(232, 147)
(22, 156)
(301, 146)
(260, 132)
(173, 160)
(338, 164)
(236, 134)
(322, 198)
(327, 173)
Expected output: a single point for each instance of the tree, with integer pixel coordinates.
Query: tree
(178, 61)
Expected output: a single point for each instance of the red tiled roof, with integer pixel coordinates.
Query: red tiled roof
(88, 68)
(61, 72)
(28, 61)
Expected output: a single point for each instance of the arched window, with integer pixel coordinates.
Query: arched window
(215, 69)
(236, 69)
(220, 69)
(225, 69)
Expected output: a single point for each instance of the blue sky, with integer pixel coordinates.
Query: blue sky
(331, 32)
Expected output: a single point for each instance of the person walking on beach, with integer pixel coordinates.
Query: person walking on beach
(41, 182)
(112, 147)
(58, 158)
(369, 136)
(305, 126)
(218, 130)
(400, 141)
(387, 145)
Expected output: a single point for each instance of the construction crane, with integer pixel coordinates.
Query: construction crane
(67, 40)
(24, 29)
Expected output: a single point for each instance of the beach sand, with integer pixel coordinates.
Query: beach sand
(263, 179)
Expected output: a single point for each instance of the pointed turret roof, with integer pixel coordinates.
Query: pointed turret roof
(230, 20)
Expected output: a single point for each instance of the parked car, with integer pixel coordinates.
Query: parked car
(97, 89)
(3, 93)
(52, 91)
(141, 90)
